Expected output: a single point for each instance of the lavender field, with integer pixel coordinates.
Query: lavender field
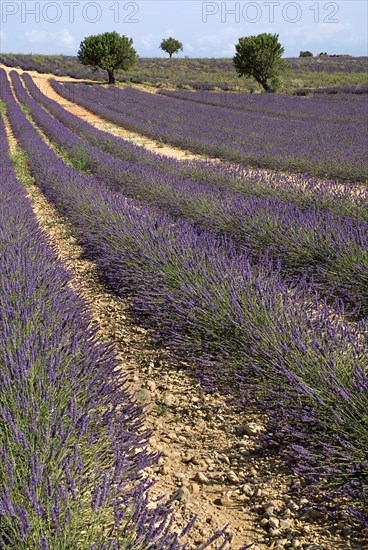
(321, 137)
(205, 74)
(306, 241)
(345, 107)
(71, 443)
(258, 283)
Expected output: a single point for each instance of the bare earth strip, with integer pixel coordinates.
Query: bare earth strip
(212, 460)
(42, 81)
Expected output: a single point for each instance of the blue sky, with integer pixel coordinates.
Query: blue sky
(206, 28)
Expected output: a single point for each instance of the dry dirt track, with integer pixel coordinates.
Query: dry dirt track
(209, 458)
(42, 81)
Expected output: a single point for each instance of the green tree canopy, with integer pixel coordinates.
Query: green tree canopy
(306, 54)
(260, 57)
(171, 45)
(108, 51)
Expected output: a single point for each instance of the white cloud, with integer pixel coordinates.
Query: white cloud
(59, 38)
(149, 41)
(324, 33)
(210, 40)
(220, 42)
(65, 38)
(36, 37)
(169, 32)
(229, 51)
(3, 36)
(223, 42)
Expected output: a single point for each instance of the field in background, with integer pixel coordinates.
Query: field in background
(322, 136)
(254, 280)
(205, 73)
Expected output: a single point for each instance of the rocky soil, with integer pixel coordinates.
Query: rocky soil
(212, 462)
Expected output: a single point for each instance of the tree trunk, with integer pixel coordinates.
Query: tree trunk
(267, 88)
(111, 77)
(170, 54)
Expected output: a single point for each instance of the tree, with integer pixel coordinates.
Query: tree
(171, 45)
(305, 54)
(108, 51)
(260, 57)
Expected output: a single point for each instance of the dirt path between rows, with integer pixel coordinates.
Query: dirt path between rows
(42, 81)
(212, 459)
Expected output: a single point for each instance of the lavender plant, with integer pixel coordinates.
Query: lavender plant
(71, 442)
(243, 327)
(320, 108)
(270, 140)
(328, 248)
(344, 199)
(210, 74)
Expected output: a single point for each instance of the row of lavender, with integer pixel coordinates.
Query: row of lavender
(336, 92)
(241, 326)
(344, 64)
(319, 245)
(318, 107)
(57, 65)
(71, 457)
(344, 199)
(67, 65)
(268, 140)
(149, 70)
